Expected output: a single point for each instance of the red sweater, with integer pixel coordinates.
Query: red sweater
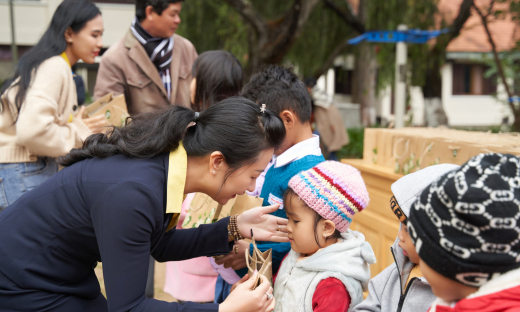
(507, 300)
(330, 295)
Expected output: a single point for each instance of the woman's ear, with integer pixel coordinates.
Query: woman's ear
(217, 163)
(328, 228)
(68, 35)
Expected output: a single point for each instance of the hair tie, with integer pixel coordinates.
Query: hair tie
(196, 116)
(262, 109)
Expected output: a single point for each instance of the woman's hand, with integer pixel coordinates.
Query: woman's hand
(242, 299)
(240, 282)
(265, 226)
(95, 124)
(234, 260)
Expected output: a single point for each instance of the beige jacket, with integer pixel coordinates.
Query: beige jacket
(331, 128)
(126, 68)
(43, 127)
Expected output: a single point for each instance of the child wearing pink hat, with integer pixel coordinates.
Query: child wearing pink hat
(327, 268)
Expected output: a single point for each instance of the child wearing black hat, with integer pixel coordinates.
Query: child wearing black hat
(466, 230)
(401, 286)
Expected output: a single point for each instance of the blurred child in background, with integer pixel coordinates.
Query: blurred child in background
(401, 286)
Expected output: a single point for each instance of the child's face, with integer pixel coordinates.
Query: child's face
(301, 225)
(406, 243)
(443, 287)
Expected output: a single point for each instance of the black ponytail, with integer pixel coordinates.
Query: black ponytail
(235, 127)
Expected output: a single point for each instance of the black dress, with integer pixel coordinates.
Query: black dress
(110, 210)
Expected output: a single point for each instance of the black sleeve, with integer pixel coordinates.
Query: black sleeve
(123, 220)
(205, 240)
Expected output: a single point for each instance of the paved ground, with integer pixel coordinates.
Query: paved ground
(159, 282)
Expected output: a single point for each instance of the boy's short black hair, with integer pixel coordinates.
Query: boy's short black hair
(279, 89)
(158, 7)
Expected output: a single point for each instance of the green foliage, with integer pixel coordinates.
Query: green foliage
(387, 15)
(322, 33)
(513, 10)
(355, 148)
(88, 97)
(510, 61)
(213, 25)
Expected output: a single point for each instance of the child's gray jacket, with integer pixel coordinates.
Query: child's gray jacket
(387, 292)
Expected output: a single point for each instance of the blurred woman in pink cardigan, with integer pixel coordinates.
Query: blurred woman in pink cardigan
(216, 75)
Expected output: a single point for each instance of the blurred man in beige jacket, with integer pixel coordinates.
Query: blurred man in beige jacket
(330, 125)
(150, 65)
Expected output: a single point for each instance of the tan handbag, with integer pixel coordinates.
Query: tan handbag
(112, 107)
(261, 262)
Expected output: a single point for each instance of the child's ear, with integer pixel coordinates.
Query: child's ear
(328, 228)
(288, 118)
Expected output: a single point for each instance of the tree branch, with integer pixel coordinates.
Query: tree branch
(436, 55)
(330, 59)
(490, 9)
(346, 15)
(495, 55)
(287, 30)
(460, 20)
(251, 15)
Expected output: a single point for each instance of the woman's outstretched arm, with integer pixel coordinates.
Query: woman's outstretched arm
(213, 239)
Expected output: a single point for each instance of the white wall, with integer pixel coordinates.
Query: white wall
(462, 110)
(33, 17)
(417, 106)
(472, 110)
(384, 105)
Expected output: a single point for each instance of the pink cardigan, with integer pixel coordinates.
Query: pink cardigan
(190, 280)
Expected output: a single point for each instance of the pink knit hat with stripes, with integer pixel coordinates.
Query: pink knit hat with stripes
(334, 190)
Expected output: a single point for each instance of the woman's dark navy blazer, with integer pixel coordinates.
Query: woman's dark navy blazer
(110, 210)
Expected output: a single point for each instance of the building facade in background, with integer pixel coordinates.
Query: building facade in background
(469, 98)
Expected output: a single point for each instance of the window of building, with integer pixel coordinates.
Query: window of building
(343, 80)
(468, 79)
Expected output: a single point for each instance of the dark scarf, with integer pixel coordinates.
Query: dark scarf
(158, 49)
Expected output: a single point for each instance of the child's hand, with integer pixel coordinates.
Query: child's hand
(242, 299)
(236, 261)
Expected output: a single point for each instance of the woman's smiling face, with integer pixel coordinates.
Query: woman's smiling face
(241, 180)
(87, 43)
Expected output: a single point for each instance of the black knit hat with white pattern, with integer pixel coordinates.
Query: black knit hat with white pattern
(466, 225)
